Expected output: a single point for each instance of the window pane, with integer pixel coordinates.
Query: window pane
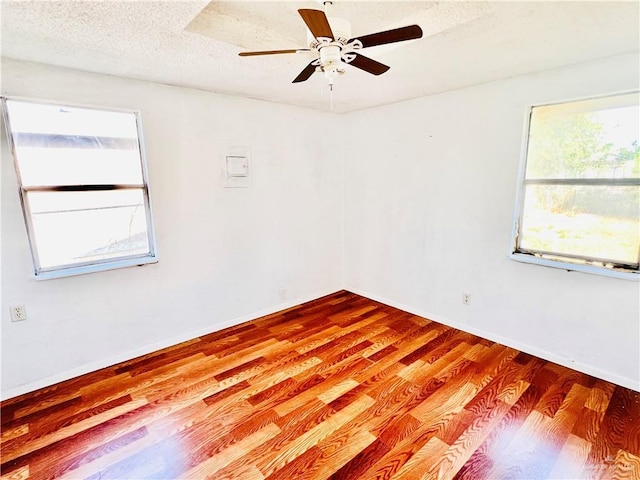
(590, 139)
(63, 120)
(74, 146)
(77, 227)
(597, 222)
(63, 166)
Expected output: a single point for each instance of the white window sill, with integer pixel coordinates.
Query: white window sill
(96, 267)
(590, 269)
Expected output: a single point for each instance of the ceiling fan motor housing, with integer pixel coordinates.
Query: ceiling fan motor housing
(330, 55)
(331, 49)
(330, 62)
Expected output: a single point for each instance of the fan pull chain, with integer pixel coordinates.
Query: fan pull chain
(331, 95)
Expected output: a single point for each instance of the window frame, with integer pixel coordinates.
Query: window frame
(79, 268)
(547, 258)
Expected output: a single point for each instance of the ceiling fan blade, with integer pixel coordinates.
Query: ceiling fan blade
(368, 65)
(390, 36)
(317, 22)
(273, 52)
(306, 73)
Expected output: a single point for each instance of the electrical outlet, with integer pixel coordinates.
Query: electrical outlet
(18, 313)
(466, 298)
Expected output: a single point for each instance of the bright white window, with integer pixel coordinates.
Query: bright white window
(83, 187)
(580, 194)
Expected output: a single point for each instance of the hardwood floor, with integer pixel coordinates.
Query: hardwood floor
(343, 388)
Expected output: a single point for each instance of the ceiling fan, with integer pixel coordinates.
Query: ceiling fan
(334, 48)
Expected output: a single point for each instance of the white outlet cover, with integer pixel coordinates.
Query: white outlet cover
(18, 313)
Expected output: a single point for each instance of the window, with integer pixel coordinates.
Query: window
(580, 194)
(83, 187)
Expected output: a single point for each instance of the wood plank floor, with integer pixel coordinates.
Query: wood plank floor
(342, 388)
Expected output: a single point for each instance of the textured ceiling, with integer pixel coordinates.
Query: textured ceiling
(196, 43)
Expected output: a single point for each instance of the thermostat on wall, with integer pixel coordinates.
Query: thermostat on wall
(236, 167)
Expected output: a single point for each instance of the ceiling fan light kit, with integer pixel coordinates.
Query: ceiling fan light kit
(334, 48)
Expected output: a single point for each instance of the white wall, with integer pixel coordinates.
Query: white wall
(224, 253)
(429, 204)
(429, 195)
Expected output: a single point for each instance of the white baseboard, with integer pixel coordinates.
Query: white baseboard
(107, 362)
(91, 367)
(523, 347)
